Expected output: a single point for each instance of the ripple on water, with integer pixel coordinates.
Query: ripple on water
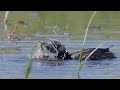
(14, 58)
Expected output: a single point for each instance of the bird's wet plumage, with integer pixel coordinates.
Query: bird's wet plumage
(100, 53)
(54, 46)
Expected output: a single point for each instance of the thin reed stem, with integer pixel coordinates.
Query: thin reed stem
(6, 17)
(86, 35)
(81, 65)
(88, 28)
(81, 53)
(28, 69)
(5, 23)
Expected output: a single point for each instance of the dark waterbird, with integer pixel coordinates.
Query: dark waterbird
(100, 53)
(54, 46)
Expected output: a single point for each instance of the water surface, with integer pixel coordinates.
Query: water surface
(14, 58)
(69, 29)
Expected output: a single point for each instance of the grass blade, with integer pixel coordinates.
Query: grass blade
(86, 35)
(88, 27)
(28, 70)
(81, 53)
(82, 64)
(6, 16)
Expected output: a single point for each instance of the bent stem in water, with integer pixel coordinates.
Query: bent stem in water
(83, 63)
(28, 70)
(85, 40)
(86, 34)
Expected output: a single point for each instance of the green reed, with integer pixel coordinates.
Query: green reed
(82, 50)
(28, 70)
(83, 63)
(29, 67)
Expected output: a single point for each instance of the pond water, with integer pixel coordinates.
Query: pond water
(14, 56)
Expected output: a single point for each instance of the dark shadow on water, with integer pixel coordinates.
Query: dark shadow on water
(50, 63)
(89, 63)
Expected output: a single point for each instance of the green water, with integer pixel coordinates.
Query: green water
(71, 22)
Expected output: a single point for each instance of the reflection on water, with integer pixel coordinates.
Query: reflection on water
(50, 63)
